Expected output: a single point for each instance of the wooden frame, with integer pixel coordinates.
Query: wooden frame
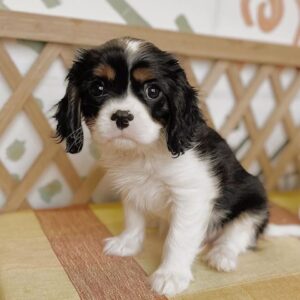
(62, 35)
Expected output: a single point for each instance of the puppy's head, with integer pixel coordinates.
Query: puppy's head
(129, 93)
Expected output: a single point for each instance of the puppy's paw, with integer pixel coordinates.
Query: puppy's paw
(222, 259)
(122, 245)
(170, 282)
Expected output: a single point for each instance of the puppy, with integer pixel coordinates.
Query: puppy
(162, 157)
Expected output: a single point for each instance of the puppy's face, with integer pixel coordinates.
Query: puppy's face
(129, 93)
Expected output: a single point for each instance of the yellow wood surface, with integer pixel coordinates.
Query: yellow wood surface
(288, 200)
(29, 269)
(270, 272)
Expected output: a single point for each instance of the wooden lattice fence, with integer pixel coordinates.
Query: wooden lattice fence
(61, 36)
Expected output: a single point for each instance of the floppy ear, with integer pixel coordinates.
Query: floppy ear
(185, 119)
(68, 117)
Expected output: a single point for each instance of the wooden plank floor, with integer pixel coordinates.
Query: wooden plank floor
(58, 253)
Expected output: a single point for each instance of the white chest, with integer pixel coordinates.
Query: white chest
(154, 182)
(142, 182)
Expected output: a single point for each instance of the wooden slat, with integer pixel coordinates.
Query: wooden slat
(80, 32)
(249, 119)
(13, 77)
(85, 188)
(243, 104)
(19, 194)
(186, 63)
(7, 183)
(67, 169)
(24, 89)
(214, 74)
(288, 123)
(287, 154)
(61, 159)
(271, 122)
(67, 54)
(279, 94)
(88, 186)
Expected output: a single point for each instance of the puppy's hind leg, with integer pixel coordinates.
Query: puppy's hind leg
(236, 237)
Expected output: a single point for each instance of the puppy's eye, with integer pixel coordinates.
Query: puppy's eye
(152, 91)
(96, 88)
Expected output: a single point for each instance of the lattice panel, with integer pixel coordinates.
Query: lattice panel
(21, 100)
(272, 168)
(240, 117)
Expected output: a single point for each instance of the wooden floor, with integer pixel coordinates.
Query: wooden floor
(57, 254)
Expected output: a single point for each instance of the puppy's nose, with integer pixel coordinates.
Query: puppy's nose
(122, 118)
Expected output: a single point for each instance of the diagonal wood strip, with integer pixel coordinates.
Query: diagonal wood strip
(24, 89)
(272, 121)
(288, 123)
(88, 186)
(85, 188)
(242, 106)
(238, 91)
(287, 154)
(214, 74)
(67, 54)
(7, 183)
(76, 236)
(186, 63)
(13, 77)
(18, 195)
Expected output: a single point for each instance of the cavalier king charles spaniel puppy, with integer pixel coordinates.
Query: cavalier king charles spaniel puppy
(163, 159)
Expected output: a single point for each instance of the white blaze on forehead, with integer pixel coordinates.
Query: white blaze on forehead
(132, 47)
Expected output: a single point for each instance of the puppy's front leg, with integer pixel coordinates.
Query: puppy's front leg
(130, 241)
(187, 230)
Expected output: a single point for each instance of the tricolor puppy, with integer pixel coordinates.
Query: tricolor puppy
(162, 157)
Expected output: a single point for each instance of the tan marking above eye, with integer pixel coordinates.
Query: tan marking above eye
(143, 74)
(105, 71)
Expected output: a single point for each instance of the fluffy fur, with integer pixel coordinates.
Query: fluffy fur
(164, 159)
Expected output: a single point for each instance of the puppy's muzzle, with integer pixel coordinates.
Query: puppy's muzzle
(122, 118)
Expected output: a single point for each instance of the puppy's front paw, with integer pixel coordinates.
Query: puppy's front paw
(170, 282)
(122, 245)
(222, 259)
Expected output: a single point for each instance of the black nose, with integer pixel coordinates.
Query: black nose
(122, 118)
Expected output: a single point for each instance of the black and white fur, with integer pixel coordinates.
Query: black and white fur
(165, 161)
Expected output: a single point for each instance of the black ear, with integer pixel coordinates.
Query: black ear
(68, 117)
(185, 122)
